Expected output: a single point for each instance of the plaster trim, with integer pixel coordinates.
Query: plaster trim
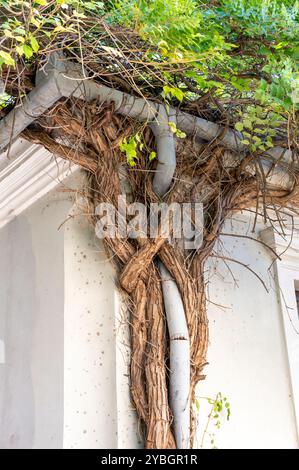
(286, 272)
(27, 173)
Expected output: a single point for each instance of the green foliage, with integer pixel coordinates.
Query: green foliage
(176, 27)
(283, 91)
(262, 18)
(172, 92)
(258, 127)
(39, 22)
(220, 410)
(5, 100)
(152, 156)
(129, 147)
(244, 48)
(242, 54)
(176, 131)
(163, 21)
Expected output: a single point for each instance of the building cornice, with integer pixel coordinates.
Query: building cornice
(27, 173)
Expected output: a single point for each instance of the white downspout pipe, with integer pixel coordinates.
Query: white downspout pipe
(165, 151)
(179, 359)
(179, 355)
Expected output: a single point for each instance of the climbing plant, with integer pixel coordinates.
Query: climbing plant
(219, 410)
(233, 63)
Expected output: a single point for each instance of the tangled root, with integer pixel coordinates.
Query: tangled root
(90, 137)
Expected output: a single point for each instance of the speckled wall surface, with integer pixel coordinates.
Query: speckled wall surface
(96, 377)
(65, 349)
(90, 378)
(247, 355)
(64, 346)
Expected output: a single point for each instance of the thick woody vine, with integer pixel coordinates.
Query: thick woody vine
(223, 181)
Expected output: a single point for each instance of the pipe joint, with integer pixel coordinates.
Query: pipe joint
(178, 338)
(160, 125)
(61, 74)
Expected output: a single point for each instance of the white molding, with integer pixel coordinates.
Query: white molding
(286, 271)
(27, 174)
(286, 246)
(2, 352)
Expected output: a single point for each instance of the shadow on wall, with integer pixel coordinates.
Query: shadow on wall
(18, 306)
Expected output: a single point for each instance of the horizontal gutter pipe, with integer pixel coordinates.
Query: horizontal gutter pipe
(60, 78)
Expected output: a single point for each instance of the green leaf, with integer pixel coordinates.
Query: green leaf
(178, 93)
(172, 126)
(173, 92)
(247, 123)
(93, 5)
(8, 33)
(20, 50)
(34, 44)
(7, 58)
(152, 156)
(20, 39)
(180, 134)
(129, 148)
(27, 51)
(239, 126)
(35, 21)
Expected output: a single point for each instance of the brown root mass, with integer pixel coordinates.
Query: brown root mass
(90, 137)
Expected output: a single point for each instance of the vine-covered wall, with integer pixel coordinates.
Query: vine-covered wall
(247, 356)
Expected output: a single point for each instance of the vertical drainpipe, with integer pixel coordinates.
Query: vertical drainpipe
(175, 314)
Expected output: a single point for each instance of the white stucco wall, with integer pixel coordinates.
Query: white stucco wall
(97, 408)
(90, 415)
(247, 355)
(64, 381)
(31, 326)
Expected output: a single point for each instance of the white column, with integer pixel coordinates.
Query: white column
(2, 352)
(287, 281)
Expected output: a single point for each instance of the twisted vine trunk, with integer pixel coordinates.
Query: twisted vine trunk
(202, 175)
